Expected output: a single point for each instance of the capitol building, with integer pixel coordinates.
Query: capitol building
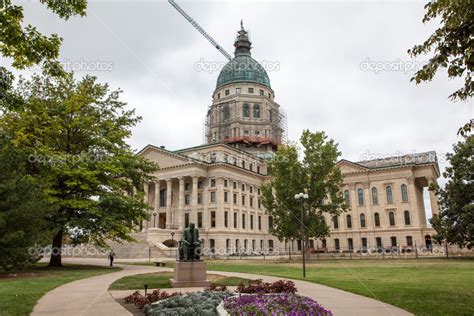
(217, 185)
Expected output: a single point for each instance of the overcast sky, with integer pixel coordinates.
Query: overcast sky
(323, 51)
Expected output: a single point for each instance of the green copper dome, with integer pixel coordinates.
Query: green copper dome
(243, 68)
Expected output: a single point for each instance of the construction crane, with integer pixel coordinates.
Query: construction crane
(200, 29)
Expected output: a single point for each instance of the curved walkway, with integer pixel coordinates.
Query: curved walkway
(90, 296)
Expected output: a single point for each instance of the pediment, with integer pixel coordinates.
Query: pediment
(163, 158)
(349, 167)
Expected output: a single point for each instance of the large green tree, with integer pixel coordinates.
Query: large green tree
(455, 223)
(24, 43)
(317, 174)
(76, 133)
(451, 45)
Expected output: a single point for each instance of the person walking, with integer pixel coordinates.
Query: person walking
(111, 257)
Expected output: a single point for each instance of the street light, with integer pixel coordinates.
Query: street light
(302, 197)
(172, 242)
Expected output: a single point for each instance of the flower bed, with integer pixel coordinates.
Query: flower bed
(192, 304)
(274, 304)
(140, 300)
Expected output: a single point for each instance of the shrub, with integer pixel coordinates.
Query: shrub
(215, 287)
(258, 286)
(140, 301)
(192, 304)
(273, 304)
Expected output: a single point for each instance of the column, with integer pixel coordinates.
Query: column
(169, 188)
(194, 201)
(415, 216)
(205, 201)
(157, 202)
(369, 216)
(433, 197)
(231, 204)
(180, 213)
(145, 189)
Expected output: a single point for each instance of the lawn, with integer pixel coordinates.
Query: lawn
(423, 287)
(19, 292)
(161, 280)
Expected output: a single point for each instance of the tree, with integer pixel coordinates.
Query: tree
(76, 131)
(25, 44)
(455, 223)
(452, 44)
(316, 173)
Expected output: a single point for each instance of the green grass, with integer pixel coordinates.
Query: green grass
(161, 280)
(19, 294)
(423, 287)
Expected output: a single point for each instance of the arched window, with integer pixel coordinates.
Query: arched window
(377, 219)
(360, 195)
(349, 221)
(391, 218)
(246, 110)
(375, 196)
(347, 198)
(256, 111)
(226, 112)
(362, 220)
(335, 221)
(388, 190)
(406, 215)
(404, 193)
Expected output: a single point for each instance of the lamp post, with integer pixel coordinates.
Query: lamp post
(302, 197)
(172, 242)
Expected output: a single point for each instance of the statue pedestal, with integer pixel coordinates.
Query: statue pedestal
(189, 274)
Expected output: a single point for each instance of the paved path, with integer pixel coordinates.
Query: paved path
(90, 296)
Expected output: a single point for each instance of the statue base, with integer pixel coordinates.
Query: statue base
(189, 274)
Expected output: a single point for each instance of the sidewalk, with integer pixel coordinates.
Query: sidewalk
(90, 296)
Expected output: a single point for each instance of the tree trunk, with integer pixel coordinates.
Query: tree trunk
(55, 260)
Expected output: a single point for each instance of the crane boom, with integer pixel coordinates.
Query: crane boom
(200, 29)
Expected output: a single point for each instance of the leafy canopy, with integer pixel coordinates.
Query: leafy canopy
(317, 174)
(455, 223)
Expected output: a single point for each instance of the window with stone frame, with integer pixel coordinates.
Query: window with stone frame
(243, 221)
(404, 191)
(213, 219)
(199, 198)
(246, 110)
(389, 194)
(213, 197)
(360, 196)
(199, 220)
(377, 219)
(226, 197)
(362, 220)
(186, 199)
(256, 111)
(186, 220)
(375, 196)
(349, 221)
(407, 218)
(347, 197)
(235, 219)
(391, 218)
(226, 219)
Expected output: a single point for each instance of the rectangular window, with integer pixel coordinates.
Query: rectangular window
(213, 219)
(163, 198)
(235, 183)
(199, 198)
(251, 201)
(270, 222)
(364, 242)
(218, 95)
(213, 197)
(261, 92)
(227, 92)
(243, 199)
(199, 184)
(226, 219)
(212, 245)
(243, 221)
(199, 223)
(378, 241)
(250, 90)
(251, 221)
(238, 90)
(243, 187)
(187, 186)
(235, 198)
(213, 182)
(259, 222)
(225, 183)
(226, 197)
(335, 221)
(259, 203)
(409, 241)
(251, 189)
(258, 169)
(186, 220)
(186, 199)
(235, 219)
(393, 240)
(336, 244)
(350, 243)
(270, 245)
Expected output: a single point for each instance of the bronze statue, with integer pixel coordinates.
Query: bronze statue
(190, 245)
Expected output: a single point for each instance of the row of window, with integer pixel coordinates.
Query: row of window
(363, 241)
(246, 110)
(237, 247)
(391, 220)
(234, 161)
(375, 198)
(238, 90)
(243, 223)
